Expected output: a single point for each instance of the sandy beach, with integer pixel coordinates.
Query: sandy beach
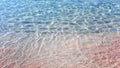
(60, 51)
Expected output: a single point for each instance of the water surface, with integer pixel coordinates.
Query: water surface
(64, 16)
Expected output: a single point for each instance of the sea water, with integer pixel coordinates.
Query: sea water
(64, 16)
(59, 33)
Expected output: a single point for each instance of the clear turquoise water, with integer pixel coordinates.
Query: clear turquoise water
(59, 16)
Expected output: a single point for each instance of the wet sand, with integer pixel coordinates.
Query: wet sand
(60, 51)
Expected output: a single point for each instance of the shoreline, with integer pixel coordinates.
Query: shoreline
(61, 51)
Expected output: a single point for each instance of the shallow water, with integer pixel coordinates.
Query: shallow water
(59, 34)
(77, 16)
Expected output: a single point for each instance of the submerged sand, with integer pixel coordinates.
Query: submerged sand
(19, 50)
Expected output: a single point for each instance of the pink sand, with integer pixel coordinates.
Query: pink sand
(62, 51)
